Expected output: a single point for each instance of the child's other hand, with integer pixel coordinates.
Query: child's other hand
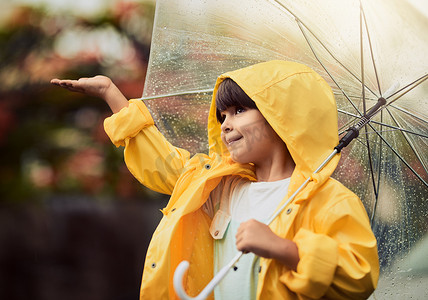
(94, 86)
(256, 237)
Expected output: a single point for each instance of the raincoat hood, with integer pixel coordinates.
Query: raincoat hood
(297, 103)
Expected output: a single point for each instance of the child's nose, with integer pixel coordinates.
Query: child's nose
(226, 126)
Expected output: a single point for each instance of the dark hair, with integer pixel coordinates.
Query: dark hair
(229, 94)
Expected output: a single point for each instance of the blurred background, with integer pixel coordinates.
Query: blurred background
(74, 223)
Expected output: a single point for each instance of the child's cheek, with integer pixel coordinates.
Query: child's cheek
(255, 135)
(223, 139)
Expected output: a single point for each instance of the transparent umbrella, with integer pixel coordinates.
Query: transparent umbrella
(365, 50)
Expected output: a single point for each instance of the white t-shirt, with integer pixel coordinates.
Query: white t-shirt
(241, 200)
(257, 200)
(244, 199)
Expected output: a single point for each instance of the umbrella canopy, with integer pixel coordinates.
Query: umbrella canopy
(380, 45)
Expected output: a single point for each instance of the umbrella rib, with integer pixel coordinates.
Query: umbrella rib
(203, 91)
(363, 92)
(412, 146)
(396, 153)
(422, 78)
(372, 175)
(411, 86)
(370, 46)
(324, 67)
(409, 113)
(380, 123)
(322, 44)
(378, 177)
(353, 96)
(399, 156)
(396, 129)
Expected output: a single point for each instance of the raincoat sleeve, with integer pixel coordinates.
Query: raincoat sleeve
(338, 260)
(148, 155)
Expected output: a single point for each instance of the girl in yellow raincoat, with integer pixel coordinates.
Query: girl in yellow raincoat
(272, 125)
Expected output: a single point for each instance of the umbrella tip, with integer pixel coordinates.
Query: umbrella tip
(392, 89)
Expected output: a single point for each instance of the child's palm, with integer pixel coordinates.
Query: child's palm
(93, 86)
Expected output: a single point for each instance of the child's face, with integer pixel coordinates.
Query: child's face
(248, 136)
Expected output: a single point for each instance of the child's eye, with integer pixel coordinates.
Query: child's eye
(240, 110)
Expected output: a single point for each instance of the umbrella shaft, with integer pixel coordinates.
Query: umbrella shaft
(354, 130)
(381, 101)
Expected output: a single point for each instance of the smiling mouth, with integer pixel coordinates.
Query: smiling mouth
(231, 141)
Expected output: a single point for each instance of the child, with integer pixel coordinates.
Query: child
(270, 125)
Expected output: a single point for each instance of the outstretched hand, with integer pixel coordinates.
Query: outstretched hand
(256, 237)
(94, 86)
(98, 86)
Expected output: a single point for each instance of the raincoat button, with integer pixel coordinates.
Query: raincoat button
(289, 211)
(153, 265)
(173, 209)
(260, 269)
(207, 166)
(216, 233)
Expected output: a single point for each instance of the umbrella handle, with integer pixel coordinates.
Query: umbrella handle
(182, 268)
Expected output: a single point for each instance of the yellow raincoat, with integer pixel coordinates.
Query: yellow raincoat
(337, 249)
